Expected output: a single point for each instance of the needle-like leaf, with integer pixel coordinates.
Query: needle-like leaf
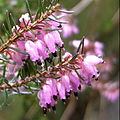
(28, 10)
(81, 45)
(12, 19)
(8, 22)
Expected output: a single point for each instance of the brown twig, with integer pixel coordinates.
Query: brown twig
(43, 74)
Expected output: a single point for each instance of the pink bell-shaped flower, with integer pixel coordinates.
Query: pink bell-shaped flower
(61, 90)
(57, 38)
(50, 42)
(75, 81)
(53, 84)
(42, 50)
(66, 82)
(31, 49)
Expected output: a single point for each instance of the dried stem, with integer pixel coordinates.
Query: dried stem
(29, 27)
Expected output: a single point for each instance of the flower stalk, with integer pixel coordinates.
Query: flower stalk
(13, 38)
(39, 75)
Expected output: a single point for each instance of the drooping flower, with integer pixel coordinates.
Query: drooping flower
(31, 49)
(75, 81)
(50, 42)
(66, 82)
(52, 83)
(42, 50)
(61, 90)
(88, 69)
(45, 95)
(57, 38)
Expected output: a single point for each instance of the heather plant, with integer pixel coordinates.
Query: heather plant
(34, 60)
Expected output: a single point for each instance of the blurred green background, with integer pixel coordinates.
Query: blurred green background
(99, 21)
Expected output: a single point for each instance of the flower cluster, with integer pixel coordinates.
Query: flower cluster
(74, 74)
(41, 41)
(109, 90)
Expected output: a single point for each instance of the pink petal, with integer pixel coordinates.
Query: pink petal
(42, 49)
(50, 42)
(61, 90)
(31, 49)
(57, 38)
(93, 60)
